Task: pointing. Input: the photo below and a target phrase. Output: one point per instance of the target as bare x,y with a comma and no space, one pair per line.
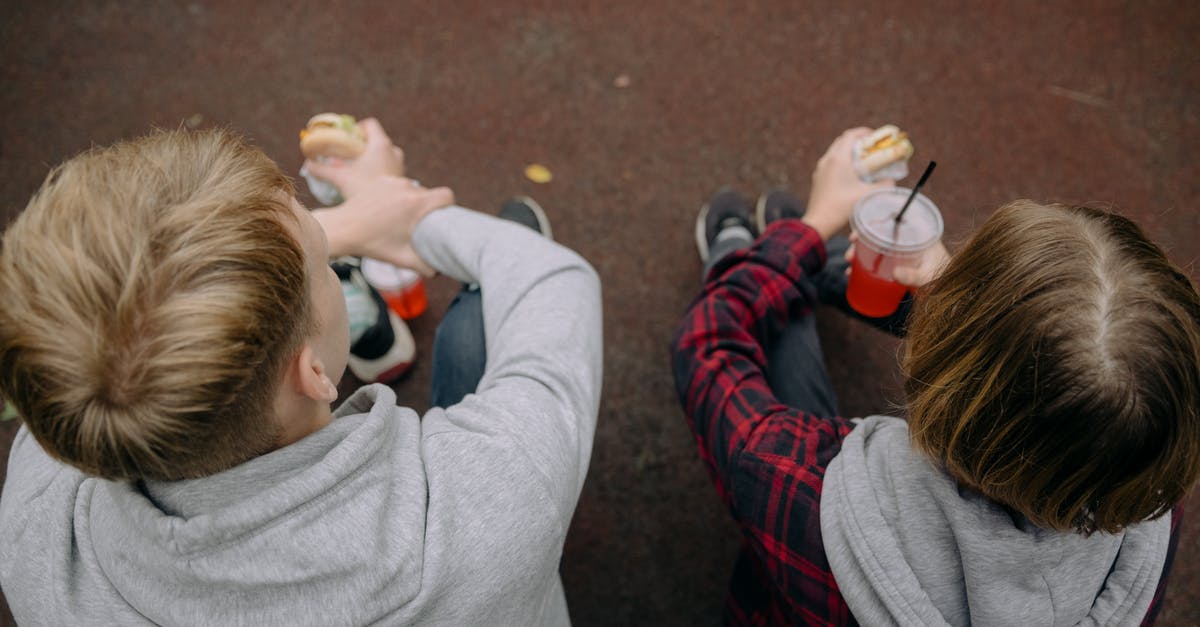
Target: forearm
348,233
379,221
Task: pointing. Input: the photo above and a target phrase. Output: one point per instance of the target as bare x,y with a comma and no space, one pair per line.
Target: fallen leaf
538,173
9,412
622,81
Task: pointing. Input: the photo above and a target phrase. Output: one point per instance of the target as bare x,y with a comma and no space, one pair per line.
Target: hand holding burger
883,153
836,185
381,207
349,154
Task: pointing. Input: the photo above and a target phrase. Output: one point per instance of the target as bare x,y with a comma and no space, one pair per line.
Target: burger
885,146
332,135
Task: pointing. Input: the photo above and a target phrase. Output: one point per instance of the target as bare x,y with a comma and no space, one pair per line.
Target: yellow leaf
538,173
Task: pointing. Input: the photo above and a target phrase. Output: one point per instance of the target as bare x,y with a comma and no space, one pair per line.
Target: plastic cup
324,191
402,288
884,246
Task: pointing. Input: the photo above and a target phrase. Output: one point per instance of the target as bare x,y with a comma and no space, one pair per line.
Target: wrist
824,226
337,231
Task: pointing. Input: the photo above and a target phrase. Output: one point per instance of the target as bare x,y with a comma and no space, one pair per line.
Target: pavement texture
640,110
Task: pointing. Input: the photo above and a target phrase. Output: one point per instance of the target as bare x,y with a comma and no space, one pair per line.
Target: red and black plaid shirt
767,460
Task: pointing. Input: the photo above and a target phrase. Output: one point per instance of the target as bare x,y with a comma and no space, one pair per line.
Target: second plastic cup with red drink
885,244
402,288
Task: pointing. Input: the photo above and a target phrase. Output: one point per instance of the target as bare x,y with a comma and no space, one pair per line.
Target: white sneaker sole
701,234
392,364
760,213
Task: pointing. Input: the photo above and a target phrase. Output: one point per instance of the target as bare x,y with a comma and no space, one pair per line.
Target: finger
375,133
941,253
907,276
405,257
843,145
836,145
857,132
851,134
849,253
436,197
938,262
441,196
419,265
331,170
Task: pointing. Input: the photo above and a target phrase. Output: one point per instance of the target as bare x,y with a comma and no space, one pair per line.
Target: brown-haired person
1053,388
171,336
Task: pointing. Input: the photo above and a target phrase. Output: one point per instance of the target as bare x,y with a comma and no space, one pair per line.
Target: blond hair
153,293
1054,367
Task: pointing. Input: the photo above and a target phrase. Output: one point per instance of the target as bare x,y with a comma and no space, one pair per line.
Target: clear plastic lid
874,220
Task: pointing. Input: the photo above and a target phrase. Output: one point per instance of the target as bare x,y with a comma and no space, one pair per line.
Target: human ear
313,381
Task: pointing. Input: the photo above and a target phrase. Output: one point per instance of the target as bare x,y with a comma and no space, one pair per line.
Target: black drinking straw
916,188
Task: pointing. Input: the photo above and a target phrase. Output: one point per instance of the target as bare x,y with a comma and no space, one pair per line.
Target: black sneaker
725,209
776,204
525,210
386,351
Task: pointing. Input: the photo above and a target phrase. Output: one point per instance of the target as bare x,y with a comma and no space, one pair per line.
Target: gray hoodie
456,518
908,547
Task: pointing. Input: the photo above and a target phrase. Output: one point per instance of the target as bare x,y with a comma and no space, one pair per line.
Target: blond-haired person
1053,419
171,337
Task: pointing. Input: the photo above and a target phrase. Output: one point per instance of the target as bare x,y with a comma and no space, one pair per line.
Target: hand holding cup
930,266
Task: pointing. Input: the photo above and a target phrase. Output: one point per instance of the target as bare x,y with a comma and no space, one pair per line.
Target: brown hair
1054,367
152,295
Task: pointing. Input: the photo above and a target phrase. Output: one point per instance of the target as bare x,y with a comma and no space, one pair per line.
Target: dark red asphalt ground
1075,101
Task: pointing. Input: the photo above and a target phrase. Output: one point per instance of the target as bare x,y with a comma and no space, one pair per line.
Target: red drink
884,245
402,288
409,301
872,295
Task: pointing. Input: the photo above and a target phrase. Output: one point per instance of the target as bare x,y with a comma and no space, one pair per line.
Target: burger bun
332,135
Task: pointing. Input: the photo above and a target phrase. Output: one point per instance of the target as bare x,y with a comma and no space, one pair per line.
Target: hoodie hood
907,546
188,541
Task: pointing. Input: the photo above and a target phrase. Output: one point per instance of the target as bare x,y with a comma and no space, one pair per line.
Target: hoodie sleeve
542,324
